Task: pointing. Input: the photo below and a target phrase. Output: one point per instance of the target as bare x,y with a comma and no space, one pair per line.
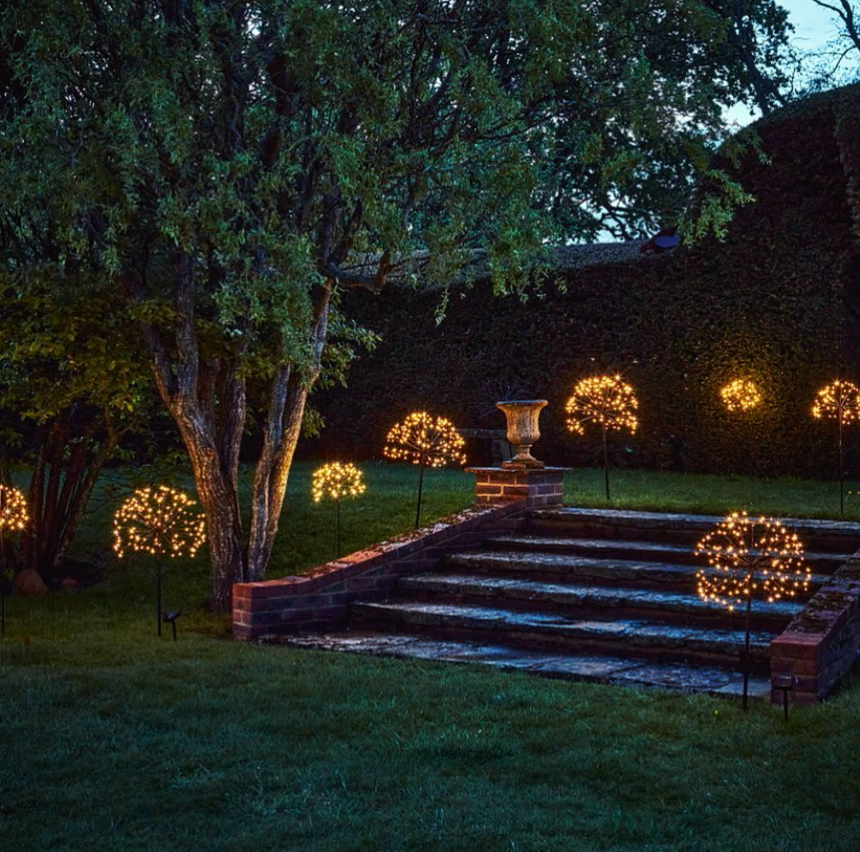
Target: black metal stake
2,588
337,503
746,656
158,592
605,464
841,467
420,489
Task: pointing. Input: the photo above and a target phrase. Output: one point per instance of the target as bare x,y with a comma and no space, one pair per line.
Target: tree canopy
226,166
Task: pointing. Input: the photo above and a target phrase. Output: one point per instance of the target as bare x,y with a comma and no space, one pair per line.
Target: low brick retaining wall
820,644
320,600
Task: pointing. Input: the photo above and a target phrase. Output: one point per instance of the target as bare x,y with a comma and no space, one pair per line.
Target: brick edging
320,599
820,644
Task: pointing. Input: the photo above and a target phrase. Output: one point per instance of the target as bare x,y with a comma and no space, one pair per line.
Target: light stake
160,521
607,401
748,557
427,441
13,516
839,401
336,481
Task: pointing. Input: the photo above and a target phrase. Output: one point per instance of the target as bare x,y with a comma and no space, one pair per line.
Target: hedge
778,302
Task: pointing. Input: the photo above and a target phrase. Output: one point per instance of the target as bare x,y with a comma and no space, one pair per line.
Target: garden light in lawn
161,521
427,441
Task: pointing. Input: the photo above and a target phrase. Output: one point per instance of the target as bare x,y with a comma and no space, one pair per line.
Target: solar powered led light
13,516
170,617
426,441
160,521
785,683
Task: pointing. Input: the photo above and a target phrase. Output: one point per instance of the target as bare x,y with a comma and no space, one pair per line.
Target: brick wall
821,643
320,600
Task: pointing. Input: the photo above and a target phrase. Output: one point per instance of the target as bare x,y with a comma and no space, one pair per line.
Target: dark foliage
778,302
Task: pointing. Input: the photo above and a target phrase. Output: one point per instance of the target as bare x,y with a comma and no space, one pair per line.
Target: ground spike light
13,516
748,557
161,521
607,401
334,481
427,441
839,401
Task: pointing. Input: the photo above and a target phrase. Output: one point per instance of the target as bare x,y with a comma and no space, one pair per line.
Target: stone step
576,667
666,575
608,601
819,535
619,637
656,551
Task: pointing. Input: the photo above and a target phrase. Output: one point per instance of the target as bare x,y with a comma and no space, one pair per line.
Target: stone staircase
586,594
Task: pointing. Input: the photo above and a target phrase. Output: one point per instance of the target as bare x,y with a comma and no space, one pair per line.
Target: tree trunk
71,471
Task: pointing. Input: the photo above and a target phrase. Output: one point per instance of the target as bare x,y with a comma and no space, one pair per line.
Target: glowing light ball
607,402
336,481
160,522
426,441
741,395
839,401
750,558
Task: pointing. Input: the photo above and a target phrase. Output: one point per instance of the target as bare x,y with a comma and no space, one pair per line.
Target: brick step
819,535
599,601
656,551
541,630
555,566
576,667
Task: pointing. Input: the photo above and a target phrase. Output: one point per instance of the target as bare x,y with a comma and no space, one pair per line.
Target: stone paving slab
513,588
621,632
612,670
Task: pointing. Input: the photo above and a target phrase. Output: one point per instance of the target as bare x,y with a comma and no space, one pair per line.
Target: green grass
112,740
683,492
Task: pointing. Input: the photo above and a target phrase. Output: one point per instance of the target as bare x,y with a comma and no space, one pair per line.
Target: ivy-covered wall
777,301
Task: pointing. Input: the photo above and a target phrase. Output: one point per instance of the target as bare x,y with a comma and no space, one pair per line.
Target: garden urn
522,416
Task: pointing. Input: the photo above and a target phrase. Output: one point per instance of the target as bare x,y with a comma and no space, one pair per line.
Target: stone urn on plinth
523,431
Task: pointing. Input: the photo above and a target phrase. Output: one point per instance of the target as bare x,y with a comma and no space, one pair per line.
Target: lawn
112,740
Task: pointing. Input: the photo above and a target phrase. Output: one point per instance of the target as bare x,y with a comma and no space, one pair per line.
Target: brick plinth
541,488
320,600
821,643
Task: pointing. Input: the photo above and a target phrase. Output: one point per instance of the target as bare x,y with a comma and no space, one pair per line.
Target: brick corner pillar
541,487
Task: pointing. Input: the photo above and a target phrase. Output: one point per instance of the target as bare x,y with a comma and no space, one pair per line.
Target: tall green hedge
777,302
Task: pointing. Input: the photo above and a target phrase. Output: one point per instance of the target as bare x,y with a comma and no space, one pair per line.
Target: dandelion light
607,402
741,395
14,515
750,558
839,401
160,522
426,441
336,481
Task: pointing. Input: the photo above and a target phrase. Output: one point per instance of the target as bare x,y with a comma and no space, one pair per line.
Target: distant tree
229,165
839,61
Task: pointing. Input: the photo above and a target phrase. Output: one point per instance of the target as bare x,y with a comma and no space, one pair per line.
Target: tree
72,383
832,66
233,167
